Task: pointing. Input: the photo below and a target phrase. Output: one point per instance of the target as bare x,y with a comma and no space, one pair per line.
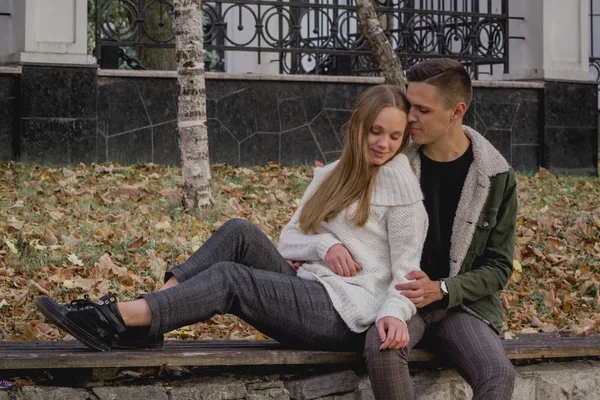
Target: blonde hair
353,178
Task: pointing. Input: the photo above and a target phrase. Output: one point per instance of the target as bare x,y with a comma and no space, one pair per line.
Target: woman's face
385,137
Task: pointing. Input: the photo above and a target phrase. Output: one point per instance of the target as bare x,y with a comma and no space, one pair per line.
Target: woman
358,231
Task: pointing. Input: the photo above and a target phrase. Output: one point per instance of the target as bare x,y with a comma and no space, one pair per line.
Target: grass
67,231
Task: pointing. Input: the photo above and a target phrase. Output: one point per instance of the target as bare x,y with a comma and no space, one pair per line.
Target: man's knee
499,370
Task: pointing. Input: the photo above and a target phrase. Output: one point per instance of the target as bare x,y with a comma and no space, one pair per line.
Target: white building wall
557,38
45,31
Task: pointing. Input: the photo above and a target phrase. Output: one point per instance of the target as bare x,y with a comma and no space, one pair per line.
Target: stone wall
9,94
252,122
64,115
578,380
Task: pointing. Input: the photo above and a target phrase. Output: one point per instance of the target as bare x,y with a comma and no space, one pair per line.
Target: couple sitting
357,267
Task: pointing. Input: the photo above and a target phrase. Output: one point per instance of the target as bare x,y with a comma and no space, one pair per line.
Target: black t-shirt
442,184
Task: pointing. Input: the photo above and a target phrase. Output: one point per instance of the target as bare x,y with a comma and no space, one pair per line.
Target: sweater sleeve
407,229
294,244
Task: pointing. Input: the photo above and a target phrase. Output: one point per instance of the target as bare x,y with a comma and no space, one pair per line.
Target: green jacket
483,233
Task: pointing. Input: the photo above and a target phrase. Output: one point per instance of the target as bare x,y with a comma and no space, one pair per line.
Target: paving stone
210,390
320,386
346,396
130,392
525,386
268,394
365,394
49,393
435,391
461,390
574,381
265,385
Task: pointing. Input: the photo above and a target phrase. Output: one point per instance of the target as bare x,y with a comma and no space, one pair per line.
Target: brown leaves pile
556,283
65,232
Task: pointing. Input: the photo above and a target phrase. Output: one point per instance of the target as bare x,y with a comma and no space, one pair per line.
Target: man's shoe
92,324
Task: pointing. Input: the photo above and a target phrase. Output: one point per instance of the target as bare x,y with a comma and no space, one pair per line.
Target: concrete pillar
557,40
44,31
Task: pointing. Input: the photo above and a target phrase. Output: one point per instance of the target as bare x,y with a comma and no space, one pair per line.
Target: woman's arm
407,229
294,244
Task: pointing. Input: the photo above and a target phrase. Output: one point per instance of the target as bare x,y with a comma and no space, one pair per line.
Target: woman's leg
291,310
237,241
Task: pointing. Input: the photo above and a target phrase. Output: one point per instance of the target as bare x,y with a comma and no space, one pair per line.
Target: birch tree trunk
191,115
379,43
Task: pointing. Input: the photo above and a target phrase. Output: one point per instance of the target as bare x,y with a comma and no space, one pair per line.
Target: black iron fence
312,37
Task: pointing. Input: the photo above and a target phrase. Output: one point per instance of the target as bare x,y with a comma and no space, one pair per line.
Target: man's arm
483,280
493,272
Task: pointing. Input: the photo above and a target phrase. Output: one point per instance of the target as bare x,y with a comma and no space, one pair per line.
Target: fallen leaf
50,238
75,260
235,205
15,224
11,246
163,225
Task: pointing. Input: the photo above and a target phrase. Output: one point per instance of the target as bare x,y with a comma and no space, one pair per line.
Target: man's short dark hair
449,76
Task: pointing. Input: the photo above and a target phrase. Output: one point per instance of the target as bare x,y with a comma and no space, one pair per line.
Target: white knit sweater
387,247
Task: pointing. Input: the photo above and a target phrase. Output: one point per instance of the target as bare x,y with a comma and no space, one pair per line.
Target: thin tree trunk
191,116
379,43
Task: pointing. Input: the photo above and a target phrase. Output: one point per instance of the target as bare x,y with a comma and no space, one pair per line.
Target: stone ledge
12,70
300,78
543,381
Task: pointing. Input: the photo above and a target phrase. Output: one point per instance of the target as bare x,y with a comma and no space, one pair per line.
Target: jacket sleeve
296,245
407,228
495,265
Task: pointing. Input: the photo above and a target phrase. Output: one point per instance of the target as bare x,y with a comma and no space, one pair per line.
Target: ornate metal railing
316,36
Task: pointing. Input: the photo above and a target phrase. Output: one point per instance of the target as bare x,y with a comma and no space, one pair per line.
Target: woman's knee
230,271
240,225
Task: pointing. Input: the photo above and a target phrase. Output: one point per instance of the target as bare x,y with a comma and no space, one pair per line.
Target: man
471,198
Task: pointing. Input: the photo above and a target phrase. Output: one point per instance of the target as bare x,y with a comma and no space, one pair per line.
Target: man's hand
421,291
393,333
294,264
340,261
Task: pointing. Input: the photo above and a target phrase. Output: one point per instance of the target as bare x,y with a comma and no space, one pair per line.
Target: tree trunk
191,115
156,58
379,44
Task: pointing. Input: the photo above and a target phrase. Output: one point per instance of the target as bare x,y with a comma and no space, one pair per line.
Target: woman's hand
294,264
393,333
340,261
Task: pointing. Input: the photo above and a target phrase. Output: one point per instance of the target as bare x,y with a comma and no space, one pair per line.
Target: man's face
429,120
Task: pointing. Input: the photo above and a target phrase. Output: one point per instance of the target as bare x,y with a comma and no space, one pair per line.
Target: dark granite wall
570,139
58,114
249,122
9,115
70,115
511,119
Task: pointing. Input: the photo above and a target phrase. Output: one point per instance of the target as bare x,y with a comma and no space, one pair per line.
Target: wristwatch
444,287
